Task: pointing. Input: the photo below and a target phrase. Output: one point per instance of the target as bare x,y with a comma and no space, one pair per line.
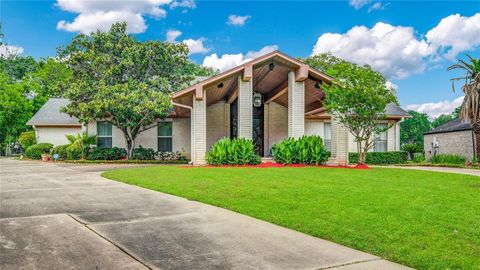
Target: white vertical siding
296,106
245,108
199,117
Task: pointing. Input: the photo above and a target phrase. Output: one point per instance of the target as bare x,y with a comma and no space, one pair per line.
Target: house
266,99
454,137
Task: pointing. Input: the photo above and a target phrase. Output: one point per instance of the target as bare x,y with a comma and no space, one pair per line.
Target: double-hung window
104,134
165,136
327,136
380,140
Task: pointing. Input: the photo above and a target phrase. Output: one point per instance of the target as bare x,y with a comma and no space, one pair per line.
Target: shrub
448,159
304,150
37,150
170,155
27,139
141,153
411,148
100,153
394,157
418,158
61,150
237,151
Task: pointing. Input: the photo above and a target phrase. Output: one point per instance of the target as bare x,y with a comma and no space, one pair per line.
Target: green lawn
421,219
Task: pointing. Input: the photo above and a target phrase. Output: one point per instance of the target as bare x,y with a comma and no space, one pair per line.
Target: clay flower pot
45,157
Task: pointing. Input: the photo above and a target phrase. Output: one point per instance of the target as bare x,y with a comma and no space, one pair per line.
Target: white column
339,142
245,108
296,106
199,128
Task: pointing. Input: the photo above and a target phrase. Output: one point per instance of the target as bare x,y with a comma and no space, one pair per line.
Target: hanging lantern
257,100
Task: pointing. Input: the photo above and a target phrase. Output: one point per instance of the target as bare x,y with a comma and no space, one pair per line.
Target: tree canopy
125,81
412,129
357,97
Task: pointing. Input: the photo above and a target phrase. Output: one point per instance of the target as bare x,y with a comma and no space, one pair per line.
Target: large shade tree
470,108
358,98
123,80
412,129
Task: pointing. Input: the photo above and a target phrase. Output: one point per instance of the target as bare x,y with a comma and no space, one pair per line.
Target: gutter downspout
192,129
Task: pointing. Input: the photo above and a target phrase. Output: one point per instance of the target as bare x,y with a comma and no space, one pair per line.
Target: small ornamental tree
125,81
357,98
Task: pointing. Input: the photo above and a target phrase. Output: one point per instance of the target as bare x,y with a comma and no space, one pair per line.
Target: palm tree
470,108
81,142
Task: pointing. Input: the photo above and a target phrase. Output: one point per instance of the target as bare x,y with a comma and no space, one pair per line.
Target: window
165,136
104,134
380,140
327,136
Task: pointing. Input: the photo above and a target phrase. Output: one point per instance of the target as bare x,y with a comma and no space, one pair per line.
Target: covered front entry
266,100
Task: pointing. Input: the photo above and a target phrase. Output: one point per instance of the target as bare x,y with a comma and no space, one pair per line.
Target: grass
425,220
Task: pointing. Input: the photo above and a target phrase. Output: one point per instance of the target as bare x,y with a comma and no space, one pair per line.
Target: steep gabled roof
393,109
452,126
50,115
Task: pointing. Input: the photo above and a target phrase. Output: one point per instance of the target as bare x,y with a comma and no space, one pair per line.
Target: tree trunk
361,153
476,132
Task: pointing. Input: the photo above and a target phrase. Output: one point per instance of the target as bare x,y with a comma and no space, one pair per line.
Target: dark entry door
234,119
257,126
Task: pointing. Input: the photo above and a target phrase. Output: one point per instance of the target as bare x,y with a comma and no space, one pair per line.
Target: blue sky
410,42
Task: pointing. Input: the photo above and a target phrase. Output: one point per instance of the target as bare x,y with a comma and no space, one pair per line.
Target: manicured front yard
422,219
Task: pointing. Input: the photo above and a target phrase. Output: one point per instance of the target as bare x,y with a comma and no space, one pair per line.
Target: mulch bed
279,165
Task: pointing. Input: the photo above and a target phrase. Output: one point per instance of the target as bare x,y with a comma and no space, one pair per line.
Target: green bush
237,151
393,157
100,153
447,159
141,153
304,150
418,158
27,139
37,150
61,150
411,148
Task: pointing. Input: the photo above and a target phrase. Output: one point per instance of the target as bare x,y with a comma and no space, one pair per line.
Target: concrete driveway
68,217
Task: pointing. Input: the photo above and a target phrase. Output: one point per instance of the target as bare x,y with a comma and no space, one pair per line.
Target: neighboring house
454,137
267,99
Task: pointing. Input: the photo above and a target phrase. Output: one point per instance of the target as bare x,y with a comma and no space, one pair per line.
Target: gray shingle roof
50,115
393,109
454,125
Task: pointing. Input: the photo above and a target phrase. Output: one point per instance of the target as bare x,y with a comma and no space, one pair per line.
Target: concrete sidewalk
474,172
67,216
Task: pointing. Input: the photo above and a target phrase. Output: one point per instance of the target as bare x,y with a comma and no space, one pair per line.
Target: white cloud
195,46
228,61
238,20
183,4
99,15
455,34
436,109
392,50
172,35
9,50
377,6
358,4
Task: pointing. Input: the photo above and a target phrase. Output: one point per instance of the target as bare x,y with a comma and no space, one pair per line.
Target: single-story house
266,99
454,137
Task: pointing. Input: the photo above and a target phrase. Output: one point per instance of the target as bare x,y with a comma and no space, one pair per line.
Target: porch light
317,85
220,85
257,100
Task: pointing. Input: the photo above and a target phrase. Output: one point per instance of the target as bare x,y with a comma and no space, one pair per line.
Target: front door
257,126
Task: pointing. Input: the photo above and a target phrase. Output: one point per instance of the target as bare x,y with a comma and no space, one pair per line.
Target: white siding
199,124
245,108
296,106
216,123
55,135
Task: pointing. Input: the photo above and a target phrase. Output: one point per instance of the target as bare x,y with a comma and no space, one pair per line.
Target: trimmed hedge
64,153
448,159
100,153
141,153
304,150
394,157
237,151
37,150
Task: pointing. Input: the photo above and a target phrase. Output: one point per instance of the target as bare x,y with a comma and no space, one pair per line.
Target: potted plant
45,157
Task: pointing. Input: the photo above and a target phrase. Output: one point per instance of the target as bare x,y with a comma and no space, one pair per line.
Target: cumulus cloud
9,50
455,34
436,109
392,50
195,46
228,61
238,20
100,15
